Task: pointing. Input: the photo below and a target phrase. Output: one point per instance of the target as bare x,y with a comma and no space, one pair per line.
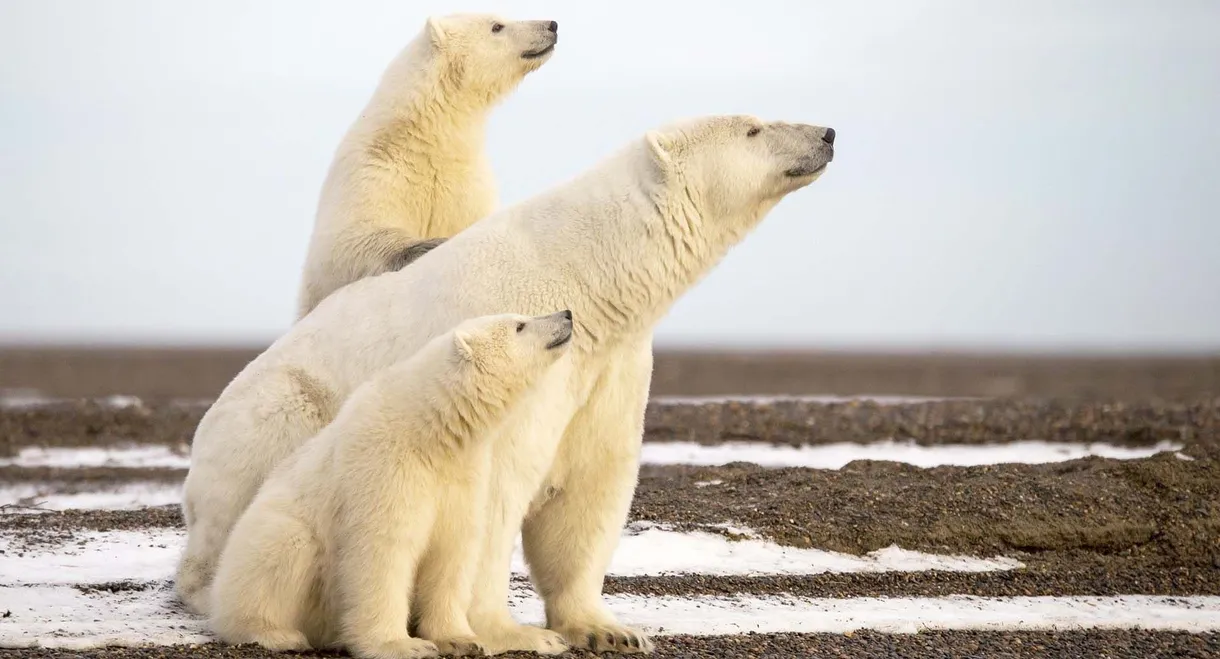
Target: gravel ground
1100,644
1083,527
1090,526
1160,509
1197,421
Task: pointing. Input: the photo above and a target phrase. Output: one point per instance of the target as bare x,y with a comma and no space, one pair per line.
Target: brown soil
938,422
1106,644
70,480
93,423
1161,507
1069,576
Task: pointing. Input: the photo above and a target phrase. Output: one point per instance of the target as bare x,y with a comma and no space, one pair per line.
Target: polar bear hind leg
261,594
293,406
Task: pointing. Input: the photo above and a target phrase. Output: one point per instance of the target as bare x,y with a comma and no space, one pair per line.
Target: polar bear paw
460,646
405,648
522,638
607,638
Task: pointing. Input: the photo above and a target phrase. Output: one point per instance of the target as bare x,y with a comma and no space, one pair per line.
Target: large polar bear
375,521
412,169
617,245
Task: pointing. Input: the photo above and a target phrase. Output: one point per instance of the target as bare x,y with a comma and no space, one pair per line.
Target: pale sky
1030,173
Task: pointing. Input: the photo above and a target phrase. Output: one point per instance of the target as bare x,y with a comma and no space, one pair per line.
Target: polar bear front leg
444,587
570,538
375,568
489,616
524,452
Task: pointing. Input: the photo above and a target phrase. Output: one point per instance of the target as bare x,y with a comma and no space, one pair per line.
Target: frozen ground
66,617
701,577
824,456
644,550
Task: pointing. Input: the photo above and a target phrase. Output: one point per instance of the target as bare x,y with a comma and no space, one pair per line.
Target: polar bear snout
814,150
556,328
542,37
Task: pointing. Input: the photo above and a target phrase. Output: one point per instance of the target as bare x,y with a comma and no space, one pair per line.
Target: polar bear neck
459,418
653,243
426,89
453,402
391,167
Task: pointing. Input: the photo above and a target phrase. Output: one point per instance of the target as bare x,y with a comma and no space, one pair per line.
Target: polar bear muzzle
812,148
545,35
558,326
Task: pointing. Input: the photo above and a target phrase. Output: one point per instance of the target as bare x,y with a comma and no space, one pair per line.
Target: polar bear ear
461,344
660,145
436,31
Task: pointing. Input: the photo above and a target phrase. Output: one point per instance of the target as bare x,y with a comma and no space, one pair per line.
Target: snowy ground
826,456
49,598
46,592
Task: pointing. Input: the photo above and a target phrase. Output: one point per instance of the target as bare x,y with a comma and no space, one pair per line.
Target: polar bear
412,169
617,245
378,516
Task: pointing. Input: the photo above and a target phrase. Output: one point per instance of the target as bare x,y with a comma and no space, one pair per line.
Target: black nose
553,27
567,314
829,137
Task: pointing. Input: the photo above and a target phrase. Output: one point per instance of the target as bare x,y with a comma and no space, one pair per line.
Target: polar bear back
496,266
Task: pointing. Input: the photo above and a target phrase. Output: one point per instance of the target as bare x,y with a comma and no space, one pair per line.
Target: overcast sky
1030,173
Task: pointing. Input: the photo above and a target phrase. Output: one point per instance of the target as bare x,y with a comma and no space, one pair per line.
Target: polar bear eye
753,131
520,326
496,27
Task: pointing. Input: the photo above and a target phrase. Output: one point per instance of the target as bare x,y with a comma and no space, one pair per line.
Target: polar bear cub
373,525
412,169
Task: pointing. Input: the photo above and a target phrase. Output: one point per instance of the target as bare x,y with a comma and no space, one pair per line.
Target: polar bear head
486,55
735,168
510,348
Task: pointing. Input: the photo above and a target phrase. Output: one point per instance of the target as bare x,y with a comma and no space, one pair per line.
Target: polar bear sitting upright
376,521
412,169
617,245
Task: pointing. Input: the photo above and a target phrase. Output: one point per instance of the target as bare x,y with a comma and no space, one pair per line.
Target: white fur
413,165
376,521
617,246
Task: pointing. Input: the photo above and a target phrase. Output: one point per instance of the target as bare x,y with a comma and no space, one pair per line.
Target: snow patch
651,550
21,397
35,498
64,617
835,456
94,557
643,550
24,398
133,456
820,456
824,399
736,615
